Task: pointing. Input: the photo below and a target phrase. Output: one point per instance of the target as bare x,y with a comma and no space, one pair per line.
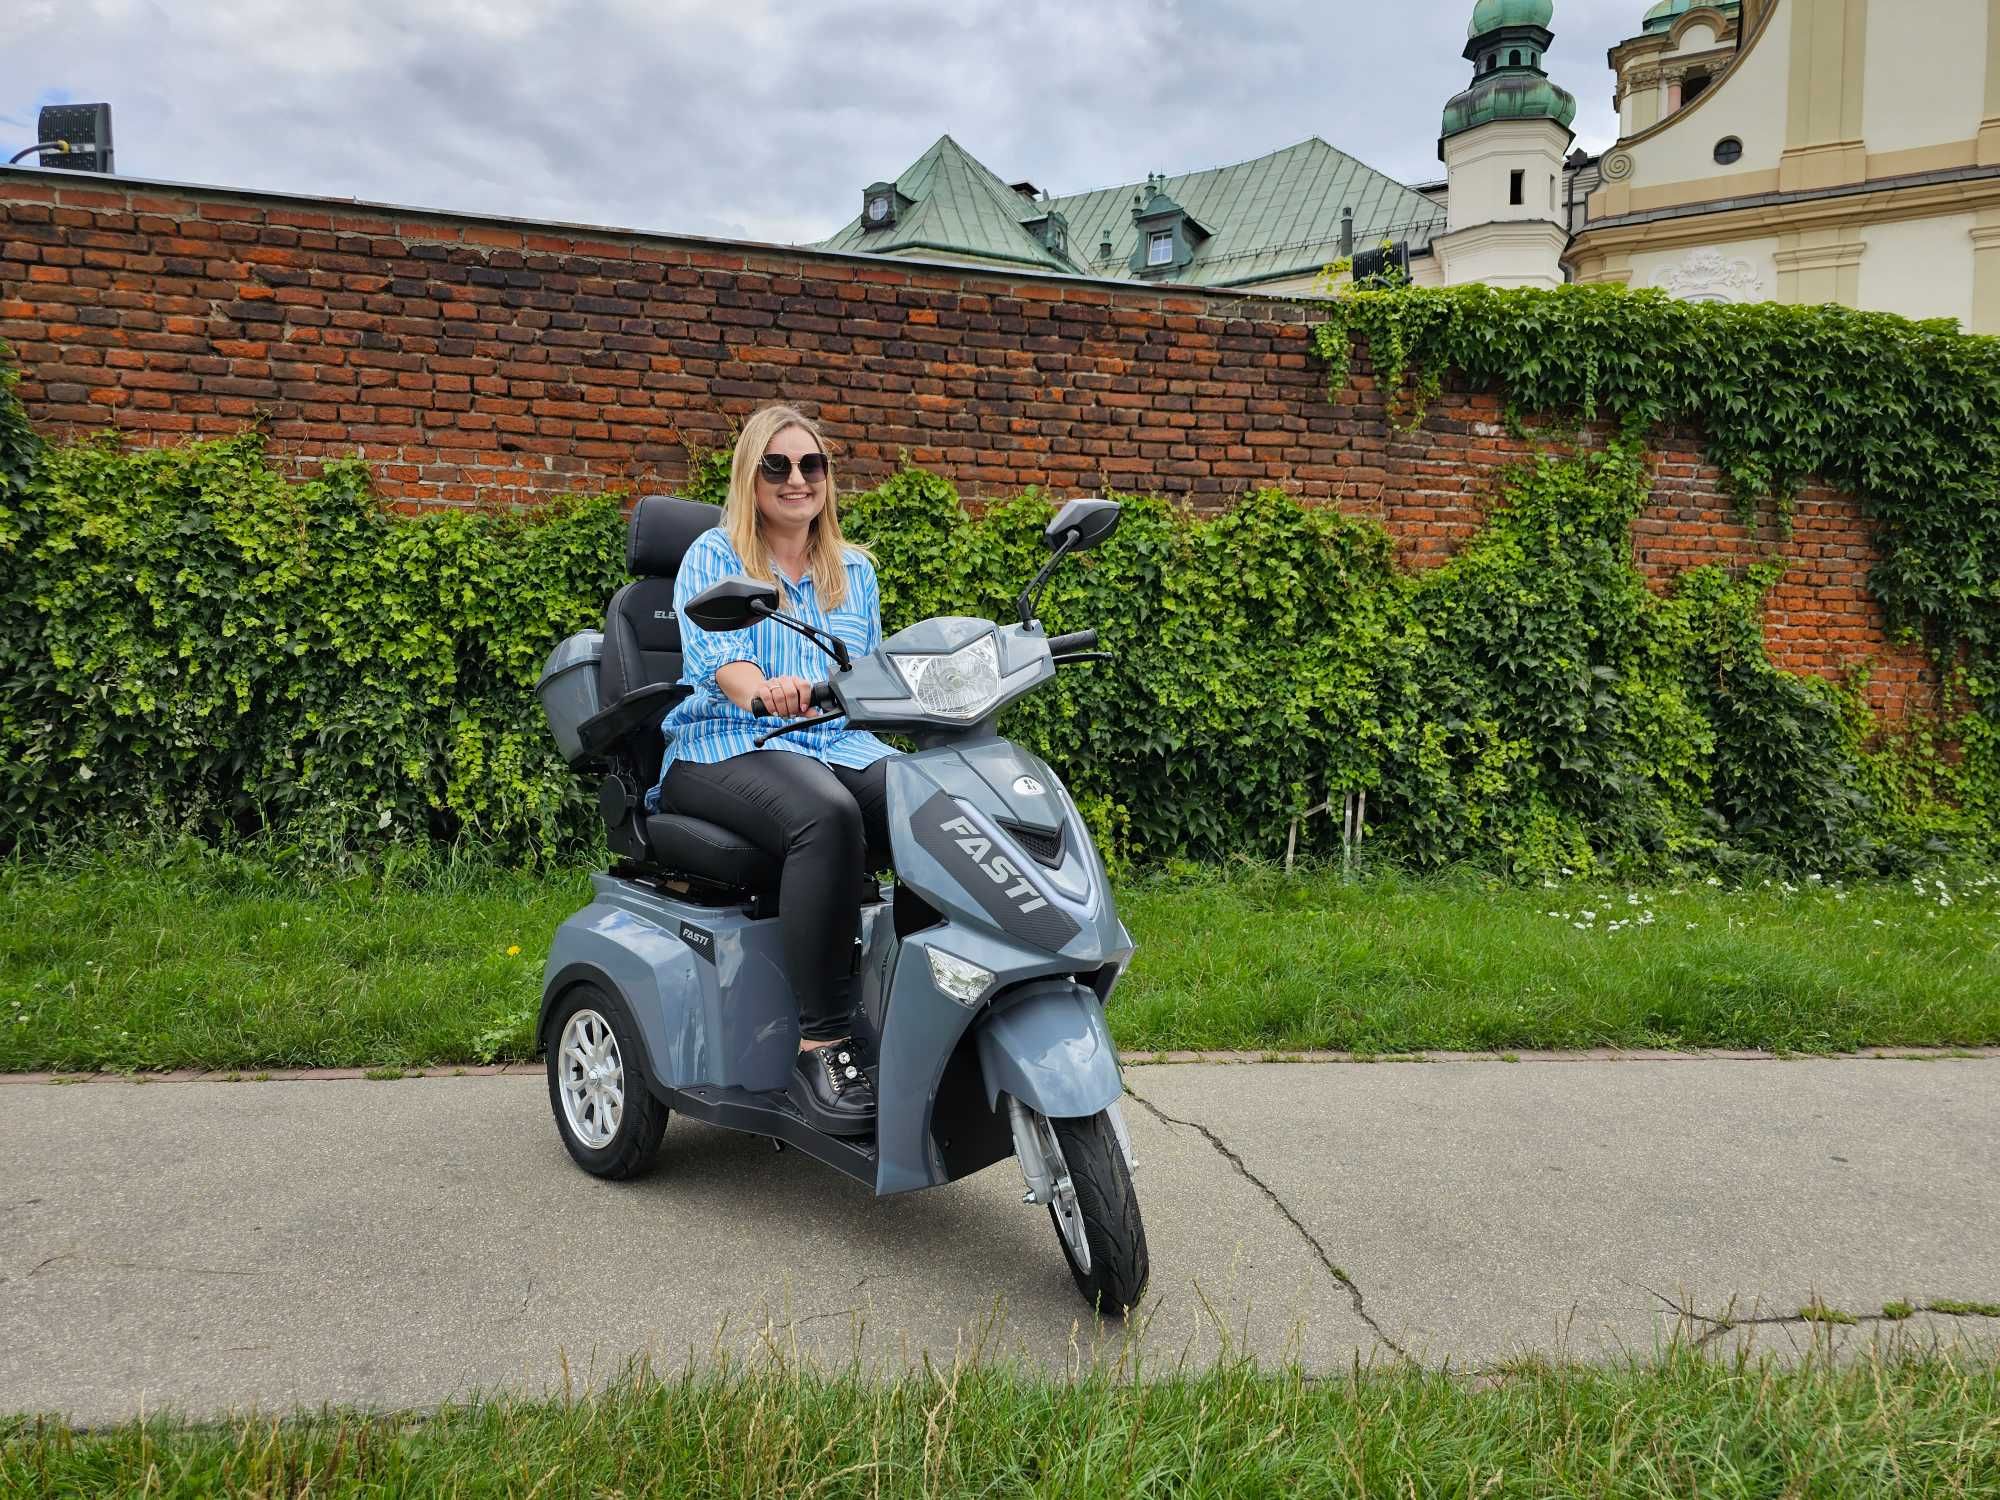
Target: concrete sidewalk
208,1245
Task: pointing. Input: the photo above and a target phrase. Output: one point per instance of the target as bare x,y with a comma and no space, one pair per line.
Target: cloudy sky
748,118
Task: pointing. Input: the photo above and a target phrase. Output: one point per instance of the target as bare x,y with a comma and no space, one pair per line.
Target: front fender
1050,1049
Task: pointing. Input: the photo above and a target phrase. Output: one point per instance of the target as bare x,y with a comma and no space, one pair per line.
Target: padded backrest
642,639
661,530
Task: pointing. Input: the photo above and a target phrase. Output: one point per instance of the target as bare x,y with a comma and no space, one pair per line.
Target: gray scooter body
995,867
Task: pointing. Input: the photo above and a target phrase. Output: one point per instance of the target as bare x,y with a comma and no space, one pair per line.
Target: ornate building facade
1807,151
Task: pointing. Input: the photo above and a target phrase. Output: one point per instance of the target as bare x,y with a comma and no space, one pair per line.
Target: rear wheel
1096,1212
608,1119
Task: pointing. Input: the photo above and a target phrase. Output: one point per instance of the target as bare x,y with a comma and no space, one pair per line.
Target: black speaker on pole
87,128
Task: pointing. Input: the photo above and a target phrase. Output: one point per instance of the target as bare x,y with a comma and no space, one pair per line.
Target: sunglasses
777,467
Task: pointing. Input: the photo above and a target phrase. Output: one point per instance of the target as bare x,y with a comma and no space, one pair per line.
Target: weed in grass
1956,1308
1896,1312
386,1075
1819,1312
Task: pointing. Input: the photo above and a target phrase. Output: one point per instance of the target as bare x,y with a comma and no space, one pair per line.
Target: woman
814,800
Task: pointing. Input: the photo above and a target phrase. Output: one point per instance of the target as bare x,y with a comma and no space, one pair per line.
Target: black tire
1119,1264
635,1143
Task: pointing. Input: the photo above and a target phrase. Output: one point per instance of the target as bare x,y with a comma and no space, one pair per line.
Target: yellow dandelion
515,951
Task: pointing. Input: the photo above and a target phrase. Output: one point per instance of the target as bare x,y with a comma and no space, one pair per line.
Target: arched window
1514,58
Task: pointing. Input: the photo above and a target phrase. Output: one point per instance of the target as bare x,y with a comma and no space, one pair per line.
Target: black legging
828,826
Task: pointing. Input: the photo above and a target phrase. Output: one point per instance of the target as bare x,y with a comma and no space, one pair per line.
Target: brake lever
772,734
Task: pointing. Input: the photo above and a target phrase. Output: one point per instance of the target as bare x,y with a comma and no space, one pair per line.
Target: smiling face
794,502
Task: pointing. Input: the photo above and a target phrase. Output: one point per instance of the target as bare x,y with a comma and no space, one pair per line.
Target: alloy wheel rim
1067,1211
591,1079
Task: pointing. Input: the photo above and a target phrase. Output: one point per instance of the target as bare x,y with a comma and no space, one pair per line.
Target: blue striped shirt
706,727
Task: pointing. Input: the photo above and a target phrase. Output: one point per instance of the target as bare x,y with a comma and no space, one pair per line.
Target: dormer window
1051,231
879,205
1169,237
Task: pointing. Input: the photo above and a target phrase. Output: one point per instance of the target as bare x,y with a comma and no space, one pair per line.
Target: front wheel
608,1118
1096,1212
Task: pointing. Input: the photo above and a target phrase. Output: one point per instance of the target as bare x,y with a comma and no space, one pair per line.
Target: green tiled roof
961,208
1271,217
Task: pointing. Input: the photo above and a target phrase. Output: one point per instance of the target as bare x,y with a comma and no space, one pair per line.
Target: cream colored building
1807,151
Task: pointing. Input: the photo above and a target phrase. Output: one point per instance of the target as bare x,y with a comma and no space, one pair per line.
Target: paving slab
208,1246
1488,1211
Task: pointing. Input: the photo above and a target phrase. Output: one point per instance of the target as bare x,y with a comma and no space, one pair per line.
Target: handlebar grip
1076,640
823,698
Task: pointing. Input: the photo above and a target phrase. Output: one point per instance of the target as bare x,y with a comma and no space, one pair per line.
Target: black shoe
832,1091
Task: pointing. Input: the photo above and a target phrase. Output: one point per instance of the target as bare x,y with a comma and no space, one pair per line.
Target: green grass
1683,1426
215,962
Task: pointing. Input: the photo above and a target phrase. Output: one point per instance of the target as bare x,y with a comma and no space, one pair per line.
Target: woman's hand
787,697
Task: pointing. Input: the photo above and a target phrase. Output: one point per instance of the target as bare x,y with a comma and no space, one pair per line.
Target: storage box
568,689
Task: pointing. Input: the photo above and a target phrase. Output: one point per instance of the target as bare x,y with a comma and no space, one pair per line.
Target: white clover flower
1840,895
1590,916
1579,927
1691,926
1631,898
1713,880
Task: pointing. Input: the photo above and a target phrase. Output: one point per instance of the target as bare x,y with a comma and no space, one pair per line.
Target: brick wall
485,362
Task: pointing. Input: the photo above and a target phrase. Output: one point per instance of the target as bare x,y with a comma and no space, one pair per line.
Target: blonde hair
826,548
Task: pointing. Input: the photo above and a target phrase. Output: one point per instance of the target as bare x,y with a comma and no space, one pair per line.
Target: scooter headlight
961,684
964,982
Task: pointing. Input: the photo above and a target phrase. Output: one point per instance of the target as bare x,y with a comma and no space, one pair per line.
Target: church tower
1503,143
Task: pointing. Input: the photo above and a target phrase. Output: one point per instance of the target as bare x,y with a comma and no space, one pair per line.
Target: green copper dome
1662,16
1491,15
1509,95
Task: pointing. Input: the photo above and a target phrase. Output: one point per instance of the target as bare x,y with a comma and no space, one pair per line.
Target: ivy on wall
190,639
1904,415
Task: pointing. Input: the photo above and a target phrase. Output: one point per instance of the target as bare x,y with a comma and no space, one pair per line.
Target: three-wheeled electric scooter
981,976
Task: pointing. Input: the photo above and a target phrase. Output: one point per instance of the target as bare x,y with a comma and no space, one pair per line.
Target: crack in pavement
1820,1316
139,1265
1243,1171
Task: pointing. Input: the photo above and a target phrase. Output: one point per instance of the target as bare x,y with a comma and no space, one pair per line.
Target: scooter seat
693,847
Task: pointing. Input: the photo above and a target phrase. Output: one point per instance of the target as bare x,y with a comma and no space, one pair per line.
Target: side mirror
1091,520
732,604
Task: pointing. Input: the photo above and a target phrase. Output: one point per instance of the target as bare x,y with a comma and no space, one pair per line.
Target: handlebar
1076,640
823,698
